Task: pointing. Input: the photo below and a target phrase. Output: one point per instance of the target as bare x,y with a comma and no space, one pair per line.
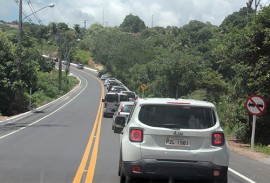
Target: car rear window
177,116
126,108
111,98
124,98
130,94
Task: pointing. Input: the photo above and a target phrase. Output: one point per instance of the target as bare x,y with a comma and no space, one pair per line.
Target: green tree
132,24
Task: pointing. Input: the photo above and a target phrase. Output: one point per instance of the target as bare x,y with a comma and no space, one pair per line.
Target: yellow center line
92,164
96,129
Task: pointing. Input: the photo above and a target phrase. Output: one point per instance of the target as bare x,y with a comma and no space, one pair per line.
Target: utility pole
60,52
152,21
19,66
85,24
103,17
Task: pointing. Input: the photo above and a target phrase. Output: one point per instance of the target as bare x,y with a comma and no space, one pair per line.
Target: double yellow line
94,138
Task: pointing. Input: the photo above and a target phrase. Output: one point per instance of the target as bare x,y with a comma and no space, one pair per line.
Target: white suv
175,139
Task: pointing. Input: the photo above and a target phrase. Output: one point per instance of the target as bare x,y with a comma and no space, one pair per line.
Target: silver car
173,139
111,103
123,110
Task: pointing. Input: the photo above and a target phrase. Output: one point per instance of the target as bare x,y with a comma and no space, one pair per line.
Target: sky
112,12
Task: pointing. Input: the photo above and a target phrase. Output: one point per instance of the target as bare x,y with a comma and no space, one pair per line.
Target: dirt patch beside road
3,118
245,149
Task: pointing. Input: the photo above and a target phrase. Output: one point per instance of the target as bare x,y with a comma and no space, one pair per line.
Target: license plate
176,142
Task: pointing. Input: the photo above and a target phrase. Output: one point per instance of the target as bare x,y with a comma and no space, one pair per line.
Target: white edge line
2,137
242,176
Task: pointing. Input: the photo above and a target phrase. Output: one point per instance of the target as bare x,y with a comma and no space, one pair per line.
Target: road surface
70,141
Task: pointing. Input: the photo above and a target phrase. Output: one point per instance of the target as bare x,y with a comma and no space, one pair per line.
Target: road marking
92,164
4,136
242,176
95,135
86,154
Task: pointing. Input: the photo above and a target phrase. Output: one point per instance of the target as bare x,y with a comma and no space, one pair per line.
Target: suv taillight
136,135
218,139
120,109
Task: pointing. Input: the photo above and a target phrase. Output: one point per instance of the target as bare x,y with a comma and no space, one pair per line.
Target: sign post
255,105
253,131
143,88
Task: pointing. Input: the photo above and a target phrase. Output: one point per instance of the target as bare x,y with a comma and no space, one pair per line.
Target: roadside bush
47,87
240,130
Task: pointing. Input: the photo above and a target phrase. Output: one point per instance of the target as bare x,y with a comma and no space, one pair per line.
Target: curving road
70,141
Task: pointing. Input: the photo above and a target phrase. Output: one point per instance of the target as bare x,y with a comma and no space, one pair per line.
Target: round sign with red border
255,105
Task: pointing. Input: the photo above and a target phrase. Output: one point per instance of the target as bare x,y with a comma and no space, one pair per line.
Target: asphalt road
70,141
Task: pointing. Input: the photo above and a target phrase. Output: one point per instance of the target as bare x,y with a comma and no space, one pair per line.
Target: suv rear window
124,98
126,108
177,116
111,98
130,94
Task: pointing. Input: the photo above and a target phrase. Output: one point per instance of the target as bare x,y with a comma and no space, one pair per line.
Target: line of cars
164,138
117,94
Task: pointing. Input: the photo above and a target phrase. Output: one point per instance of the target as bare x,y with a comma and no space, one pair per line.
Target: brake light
216,173
218,139
136,135
136,169
120,109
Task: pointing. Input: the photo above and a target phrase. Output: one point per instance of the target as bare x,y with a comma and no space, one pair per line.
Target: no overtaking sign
255,105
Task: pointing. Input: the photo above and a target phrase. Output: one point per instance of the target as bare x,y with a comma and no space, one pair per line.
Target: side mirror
119,124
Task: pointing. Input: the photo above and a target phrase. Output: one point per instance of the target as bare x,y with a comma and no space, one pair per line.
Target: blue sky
112,12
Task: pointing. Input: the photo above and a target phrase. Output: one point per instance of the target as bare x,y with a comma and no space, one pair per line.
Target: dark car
80,66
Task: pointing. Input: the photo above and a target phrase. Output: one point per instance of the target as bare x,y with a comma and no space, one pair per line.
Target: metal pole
30,99
60,68
20,40
253,132
19,52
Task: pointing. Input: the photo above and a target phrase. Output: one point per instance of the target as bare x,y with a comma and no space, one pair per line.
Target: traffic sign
255,105
143,87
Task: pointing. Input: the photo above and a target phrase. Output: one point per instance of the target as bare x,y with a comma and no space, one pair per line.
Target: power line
23,11
34,12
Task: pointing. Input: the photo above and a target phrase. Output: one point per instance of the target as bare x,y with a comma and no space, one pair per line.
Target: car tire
122,177
225,181
120,170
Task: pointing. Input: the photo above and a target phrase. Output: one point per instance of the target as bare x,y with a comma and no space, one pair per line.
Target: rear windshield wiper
169,125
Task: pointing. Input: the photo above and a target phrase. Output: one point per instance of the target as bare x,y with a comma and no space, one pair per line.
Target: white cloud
164,12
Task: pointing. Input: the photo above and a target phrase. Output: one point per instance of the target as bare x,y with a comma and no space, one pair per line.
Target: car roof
113,93
127,103
128,92
117,87
172,101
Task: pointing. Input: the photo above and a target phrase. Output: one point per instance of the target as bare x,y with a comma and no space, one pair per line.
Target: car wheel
105,115
225,181
122,177
120,170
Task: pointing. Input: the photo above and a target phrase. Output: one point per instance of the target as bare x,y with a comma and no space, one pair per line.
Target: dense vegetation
222,64
38,73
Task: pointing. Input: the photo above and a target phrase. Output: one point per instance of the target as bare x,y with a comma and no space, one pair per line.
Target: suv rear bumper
182,170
